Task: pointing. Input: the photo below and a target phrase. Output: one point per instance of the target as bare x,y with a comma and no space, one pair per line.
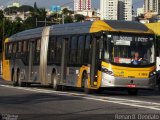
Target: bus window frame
36,52
87,61
71,61
59,50
130,34
81,49
49,57
20,46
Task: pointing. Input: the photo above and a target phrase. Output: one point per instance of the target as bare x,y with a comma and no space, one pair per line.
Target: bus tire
15,83
64,88
20,83
99,90
132,91
86,89
55,85
83,79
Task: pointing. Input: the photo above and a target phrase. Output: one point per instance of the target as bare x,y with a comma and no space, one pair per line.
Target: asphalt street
40,103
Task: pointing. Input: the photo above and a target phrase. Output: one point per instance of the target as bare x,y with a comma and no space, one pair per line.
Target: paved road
39,103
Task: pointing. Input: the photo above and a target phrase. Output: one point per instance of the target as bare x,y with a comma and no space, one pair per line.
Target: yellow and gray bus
88,55
155,27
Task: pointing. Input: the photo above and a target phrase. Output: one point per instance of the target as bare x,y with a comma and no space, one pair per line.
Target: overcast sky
48,3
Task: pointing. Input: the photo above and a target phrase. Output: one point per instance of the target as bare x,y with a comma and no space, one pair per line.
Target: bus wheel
21,84
132,91
99,90
64,88
15,83
86,89
84,78
54,82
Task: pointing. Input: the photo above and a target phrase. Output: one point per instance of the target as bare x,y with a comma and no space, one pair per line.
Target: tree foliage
68,19
25,8
12,27
79,17
11,10
1,15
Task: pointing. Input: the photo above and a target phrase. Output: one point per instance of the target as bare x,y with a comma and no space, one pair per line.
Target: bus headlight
107,71
151,74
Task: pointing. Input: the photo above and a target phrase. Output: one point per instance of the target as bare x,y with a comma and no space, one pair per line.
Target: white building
152,6
140,11
15,4
116,9
82,5
22,15
88,13
1,7
125,10
109,9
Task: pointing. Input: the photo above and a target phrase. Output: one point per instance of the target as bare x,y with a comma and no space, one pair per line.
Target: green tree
29,23
10,10
68,19
35,5
17,25
79,17
65,11
25,8
1,15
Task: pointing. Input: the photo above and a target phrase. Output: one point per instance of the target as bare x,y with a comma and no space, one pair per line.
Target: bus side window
10,48
6,50
73,50
37,51
106,49
24,46
52,50
14,47
58,50
25,53
87,49
80,52
19,47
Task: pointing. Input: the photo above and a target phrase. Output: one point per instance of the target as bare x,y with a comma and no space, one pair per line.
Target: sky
49,3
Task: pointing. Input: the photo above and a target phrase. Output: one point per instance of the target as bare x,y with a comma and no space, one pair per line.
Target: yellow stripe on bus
128,72
6,66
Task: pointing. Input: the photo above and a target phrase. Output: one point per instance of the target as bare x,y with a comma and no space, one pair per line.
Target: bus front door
94,61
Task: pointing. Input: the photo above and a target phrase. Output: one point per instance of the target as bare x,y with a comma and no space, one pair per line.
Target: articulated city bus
88,55
155,28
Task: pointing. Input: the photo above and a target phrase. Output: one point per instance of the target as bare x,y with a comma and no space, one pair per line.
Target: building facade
80,5
15,4
116,9
109,9
140,11
152,6
125,10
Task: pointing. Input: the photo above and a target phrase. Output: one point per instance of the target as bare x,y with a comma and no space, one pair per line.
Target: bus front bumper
109,81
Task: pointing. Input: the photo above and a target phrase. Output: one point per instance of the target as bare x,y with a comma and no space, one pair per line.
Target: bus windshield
130,49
